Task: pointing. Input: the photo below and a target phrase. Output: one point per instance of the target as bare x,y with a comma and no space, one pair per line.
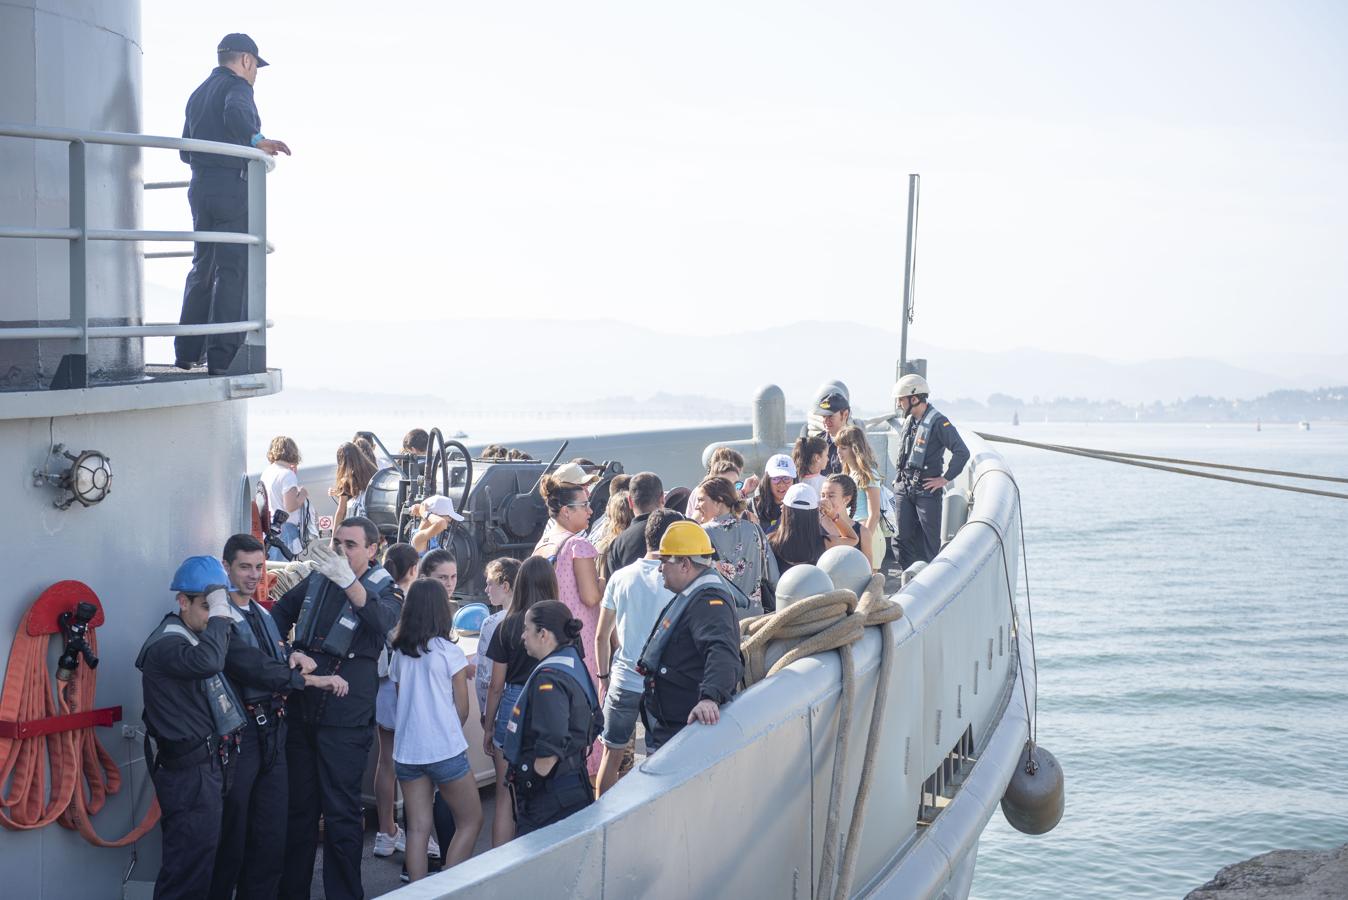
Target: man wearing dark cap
221,109
834,413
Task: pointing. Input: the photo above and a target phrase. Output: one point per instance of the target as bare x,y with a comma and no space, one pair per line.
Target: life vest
710,582
244,632
337,642
917,454
226,710
566,663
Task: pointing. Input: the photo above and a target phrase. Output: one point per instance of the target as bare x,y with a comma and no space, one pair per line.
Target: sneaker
400,841
404,877
385,844
433,848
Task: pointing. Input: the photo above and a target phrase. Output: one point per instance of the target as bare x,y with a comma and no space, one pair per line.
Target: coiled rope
1137,459
832,621
79,763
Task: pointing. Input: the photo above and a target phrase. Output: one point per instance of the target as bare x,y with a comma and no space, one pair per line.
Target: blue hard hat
469,619
196,573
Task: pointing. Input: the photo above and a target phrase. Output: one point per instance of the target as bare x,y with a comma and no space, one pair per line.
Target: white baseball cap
572,473
440,505
801,496
780,466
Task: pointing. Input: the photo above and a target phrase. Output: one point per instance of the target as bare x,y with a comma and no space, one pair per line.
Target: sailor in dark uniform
835,413
262,671
553,723
922,470
691,661
194,718
221,109
341,614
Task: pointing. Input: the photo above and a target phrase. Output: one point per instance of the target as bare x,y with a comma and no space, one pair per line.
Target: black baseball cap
241,43
832,402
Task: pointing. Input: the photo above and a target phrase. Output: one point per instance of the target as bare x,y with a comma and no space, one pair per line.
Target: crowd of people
263,718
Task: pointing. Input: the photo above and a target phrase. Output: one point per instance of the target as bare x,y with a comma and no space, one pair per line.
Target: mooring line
1135,459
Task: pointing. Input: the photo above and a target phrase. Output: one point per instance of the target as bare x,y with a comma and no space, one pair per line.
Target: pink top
575,548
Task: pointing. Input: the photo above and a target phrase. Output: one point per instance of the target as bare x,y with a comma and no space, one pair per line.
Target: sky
1132,181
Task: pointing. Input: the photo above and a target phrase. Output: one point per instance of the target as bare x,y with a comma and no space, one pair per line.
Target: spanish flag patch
545,686
716,603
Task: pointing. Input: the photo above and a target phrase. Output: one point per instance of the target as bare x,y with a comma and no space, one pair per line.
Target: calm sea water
1193,660
1193,646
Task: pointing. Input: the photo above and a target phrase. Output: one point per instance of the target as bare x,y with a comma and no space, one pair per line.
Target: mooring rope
829,621
1134,459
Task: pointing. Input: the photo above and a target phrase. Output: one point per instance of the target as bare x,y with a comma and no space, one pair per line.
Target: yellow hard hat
685,539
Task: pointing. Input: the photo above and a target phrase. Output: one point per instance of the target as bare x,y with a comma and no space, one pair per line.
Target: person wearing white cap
436,512
801,537
778,476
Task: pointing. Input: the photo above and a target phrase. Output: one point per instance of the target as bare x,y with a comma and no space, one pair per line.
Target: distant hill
521,364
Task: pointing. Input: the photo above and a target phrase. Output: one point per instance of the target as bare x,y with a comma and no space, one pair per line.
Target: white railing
76,327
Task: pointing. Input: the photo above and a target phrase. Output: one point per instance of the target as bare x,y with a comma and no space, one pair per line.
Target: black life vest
317,600
226,710
244,632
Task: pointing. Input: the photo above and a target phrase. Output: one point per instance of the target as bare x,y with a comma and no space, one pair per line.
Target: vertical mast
910,259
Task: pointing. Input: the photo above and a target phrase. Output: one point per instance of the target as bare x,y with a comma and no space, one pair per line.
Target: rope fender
832,621
83,773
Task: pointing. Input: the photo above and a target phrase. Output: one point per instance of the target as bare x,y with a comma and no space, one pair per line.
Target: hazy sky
1132,180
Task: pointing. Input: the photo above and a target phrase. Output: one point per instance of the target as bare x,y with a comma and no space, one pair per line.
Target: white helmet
909,385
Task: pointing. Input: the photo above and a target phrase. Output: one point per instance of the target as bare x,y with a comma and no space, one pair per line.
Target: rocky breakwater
1281,875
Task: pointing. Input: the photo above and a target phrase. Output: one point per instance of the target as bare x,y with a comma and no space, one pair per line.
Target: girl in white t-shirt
429,748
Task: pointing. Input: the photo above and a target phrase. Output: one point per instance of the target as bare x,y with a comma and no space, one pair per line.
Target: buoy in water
1034,799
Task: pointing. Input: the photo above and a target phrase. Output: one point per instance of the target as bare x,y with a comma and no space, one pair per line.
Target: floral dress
743,560
574,547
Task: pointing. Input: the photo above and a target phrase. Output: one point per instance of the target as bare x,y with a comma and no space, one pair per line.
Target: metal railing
76,328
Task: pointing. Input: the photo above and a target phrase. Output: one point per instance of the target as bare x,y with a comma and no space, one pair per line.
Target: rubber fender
1034,798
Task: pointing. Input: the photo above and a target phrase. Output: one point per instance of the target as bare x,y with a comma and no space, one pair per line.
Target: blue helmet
197,573
469,619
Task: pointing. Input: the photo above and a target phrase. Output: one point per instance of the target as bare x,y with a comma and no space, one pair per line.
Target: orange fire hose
83,773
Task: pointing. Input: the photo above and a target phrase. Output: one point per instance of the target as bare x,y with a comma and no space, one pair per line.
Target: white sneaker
433,847
400,840
385,844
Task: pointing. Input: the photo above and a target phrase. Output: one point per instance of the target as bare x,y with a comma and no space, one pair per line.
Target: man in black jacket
925,436
193,716
220,109
341,614
646,493
263,671
691,661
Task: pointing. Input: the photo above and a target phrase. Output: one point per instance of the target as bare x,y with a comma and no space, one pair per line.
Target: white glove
217,601
334,567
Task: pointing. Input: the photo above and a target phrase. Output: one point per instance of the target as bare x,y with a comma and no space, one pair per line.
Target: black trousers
919,527
216,285
253,828
190,801
326,764
658,731
559,797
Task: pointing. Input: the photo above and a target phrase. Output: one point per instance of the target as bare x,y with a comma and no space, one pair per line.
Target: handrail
76,328
126,139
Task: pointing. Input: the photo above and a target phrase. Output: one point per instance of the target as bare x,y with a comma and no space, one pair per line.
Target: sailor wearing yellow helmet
691,661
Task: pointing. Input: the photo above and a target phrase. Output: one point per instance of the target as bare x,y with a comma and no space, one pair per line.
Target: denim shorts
621,707
508,698
451,769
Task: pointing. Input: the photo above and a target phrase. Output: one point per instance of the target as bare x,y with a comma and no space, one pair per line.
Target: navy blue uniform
187,772
221,109
556,723
701,661
919,508
250,855
329,738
